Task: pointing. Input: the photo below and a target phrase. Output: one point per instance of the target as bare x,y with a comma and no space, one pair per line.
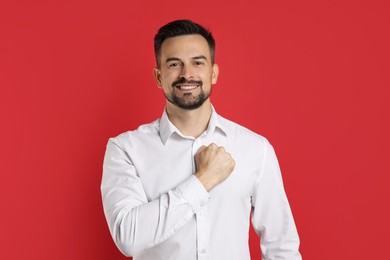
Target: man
184,186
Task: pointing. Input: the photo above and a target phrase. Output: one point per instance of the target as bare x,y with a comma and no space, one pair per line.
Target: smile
188,87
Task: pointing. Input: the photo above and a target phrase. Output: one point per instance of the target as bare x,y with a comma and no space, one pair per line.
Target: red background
311,76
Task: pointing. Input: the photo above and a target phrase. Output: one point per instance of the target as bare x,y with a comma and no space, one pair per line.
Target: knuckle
201,149
232,162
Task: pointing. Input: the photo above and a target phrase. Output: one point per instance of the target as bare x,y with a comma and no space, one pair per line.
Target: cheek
209,79
169,77
166,83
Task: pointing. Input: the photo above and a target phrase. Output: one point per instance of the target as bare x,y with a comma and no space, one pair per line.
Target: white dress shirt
156,209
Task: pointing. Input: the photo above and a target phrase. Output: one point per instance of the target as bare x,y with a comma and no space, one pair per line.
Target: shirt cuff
194,193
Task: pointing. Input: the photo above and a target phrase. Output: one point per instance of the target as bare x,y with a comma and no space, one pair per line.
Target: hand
213,165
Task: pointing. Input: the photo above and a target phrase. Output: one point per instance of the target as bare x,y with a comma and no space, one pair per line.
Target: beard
188,101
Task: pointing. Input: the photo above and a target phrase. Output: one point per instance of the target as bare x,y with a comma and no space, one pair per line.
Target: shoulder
241,133
143,131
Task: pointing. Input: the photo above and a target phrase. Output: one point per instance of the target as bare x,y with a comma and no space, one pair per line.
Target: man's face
186,73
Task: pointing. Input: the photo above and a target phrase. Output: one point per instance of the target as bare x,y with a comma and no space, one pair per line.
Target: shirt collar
167,128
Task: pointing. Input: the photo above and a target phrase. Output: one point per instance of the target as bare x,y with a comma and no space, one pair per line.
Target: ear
215,73
157,76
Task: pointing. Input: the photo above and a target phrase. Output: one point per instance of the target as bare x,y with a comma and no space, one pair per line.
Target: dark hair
181,27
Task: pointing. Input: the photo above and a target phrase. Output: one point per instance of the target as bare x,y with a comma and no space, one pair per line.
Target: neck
190,122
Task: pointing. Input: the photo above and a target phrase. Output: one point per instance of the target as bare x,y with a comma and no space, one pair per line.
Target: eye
199,63
174,65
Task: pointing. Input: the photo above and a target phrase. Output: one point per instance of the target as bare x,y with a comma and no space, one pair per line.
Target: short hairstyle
181,27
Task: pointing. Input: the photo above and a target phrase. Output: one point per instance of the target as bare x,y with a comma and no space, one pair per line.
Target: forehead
185,46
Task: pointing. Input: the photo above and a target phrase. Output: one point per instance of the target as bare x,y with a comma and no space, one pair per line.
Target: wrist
203,178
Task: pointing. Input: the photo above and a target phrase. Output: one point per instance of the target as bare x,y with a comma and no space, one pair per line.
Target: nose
186,73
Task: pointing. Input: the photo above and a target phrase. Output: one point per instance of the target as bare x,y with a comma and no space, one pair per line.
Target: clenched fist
213,165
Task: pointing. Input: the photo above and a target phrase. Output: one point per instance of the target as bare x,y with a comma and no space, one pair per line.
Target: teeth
187,87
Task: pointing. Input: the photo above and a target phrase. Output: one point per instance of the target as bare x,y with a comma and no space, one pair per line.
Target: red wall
311,76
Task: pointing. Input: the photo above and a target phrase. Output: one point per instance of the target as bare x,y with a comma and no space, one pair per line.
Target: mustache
184,81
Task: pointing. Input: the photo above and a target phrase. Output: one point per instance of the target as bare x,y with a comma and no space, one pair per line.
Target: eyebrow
172,59
193,58
199,57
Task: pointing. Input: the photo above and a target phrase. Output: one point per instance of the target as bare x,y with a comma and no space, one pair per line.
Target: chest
164,167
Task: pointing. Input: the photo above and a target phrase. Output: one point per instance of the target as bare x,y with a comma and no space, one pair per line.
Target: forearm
135,228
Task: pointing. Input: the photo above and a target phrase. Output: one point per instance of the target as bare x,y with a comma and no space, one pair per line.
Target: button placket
202,232
195,147
202,223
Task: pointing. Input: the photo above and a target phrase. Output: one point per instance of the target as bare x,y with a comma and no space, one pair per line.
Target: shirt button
203,251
